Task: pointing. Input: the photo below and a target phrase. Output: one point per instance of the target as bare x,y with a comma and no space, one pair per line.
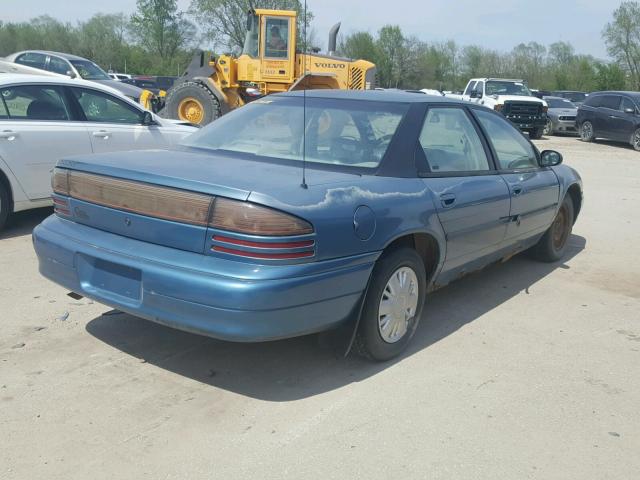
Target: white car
43,119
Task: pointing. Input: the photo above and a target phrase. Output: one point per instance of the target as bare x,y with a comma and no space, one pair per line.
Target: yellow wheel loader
269,63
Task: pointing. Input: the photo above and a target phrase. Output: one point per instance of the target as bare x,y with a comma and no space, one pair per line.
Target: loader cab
270,44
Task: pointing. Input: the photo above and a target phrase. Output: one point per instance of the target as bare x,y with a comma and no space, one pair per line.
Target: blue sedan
300,214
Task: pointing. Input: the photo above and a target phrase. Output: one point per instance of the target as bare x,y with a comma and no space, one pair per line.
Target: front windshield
558,103
89,70
494,87
251,39
338,132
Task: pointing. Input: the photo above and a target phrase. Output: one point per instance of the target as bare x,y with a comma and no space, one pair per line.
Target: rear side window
58,65
513,150
32,59
627,104
451,143
35,102
593,101
104,108
610,101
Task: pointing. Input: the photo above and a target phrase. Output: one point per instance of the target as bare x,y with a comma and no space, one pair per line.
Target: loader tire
192,102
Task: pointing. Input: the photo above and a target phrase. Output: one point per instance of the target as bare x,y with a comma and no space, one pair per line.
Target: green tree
391,45
359,45
622,37
161,28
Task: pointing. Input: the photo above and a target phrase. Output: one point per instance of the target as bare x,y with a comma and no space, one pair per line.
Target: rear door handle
448,200
517,190
8,134
102,134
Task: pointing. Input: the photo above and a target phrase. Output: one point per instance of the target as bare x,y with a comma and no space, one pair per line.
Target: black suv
610,115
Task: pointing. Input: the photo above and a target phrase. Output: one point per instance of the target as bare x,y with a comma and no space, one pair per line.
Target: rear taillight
252,219
144,199
61,206
60,181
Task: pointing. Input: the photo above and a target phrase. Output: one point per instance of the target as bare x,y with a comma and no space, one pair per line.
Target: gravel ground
524,370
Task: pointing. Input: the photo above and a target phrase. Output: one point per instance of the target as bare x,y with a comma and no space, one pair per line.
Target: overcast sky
496,24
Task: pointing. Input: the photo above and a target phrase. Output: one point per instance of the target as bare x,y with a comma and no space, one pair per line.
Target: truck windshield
499,87
251,39
336,132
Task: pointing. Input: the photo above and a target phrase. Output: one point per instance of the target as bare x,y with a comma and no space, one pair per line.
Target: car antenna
304,102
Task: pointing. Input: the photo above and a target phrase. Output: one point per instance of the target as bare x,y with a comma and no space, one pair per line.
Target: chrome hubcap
587,131
548,127
636,140
398,304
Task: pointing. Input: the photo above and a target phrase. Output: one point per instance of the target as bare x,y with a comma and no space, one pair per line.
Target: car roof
551,97
393,96
618,92
67,56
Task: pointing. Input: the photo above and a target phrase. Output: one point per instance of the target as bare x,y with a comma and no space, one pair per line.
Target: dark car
165,82
143,83
611,115
575,97
307,211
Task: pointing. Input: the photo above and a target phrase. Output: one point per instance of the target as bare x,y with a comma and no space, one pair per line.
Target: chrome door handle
8,134
102,134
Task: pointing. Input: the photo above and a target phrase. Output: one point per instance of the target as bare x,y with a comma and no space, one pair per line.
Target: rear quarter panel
400,206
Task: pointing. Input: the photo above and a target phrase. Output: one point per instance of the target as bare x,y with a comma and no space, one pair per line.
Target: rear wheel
192,102
393,305
635,140
5,205
586,132
553,245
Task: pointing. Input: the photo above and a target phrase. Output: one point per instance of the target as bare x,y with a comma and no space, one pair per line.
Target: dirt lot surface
525,370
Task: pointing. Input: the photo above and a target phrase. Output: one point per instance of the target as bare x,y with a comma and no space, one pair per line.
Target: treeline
160,39
157,39
406,62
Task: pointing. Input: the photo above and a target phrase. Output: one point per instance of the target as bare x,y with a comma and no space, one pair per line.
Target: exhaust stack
333,35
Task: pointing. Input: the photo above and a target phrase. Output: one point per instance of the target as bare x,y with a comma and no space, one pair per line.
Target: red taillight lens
61,206
248,218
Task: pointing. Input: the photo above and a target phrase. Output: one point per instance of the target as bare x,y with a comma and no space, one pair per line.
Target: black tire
198,91
587,133
548,128
5,204
536,133
369,342
553,245
635,140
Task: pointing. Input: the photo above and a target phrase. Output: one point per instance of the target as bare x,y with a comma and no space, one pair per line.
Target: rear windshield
329,131
557,103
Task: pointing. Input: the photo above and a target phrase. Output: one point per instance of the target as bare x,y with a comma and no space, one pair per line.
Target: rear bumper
189,291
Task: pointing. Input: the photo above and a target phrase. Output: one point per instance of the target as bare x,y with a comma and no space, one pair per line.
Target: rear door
471,199
623,122
534,190
114,125
608,114
39,130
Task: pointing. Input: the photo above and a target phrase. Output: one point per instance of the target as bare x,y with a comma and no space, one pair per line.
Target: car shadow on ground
299,368
23,223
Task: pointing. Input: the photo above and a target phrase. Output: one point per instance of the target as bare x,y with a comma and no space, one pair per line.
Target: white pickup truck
510,97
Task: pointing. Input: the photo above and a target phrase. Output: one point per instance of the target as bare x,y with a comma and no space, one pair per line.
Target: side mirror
476,94
550,158
147,119
71,74
630,110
